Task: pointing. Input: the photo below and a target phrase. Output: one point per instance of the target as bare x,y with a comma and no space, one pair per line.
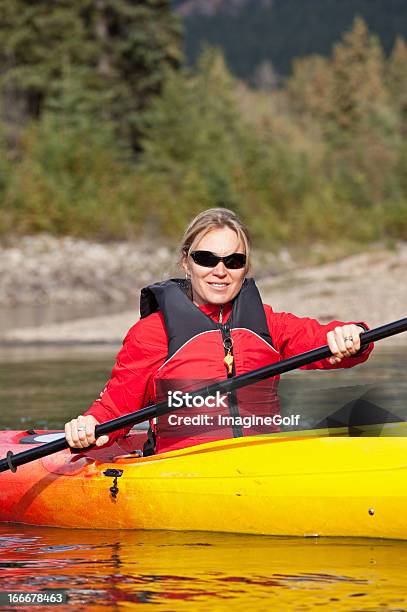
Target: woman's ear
186,268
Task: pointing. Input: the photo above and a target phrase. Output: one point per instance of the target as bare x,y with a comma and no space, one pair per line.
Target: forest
107,133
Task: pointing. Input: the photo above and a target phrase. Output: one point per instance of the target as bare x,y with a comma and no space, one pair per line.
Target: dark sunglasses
207,259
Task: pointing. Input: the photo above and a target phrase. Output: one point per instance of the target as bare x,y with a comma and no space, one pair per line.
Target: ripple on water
173,571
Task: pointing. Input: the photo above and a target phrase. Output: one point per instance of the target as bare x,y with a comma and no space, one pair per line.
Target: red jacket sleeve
292,335
144,349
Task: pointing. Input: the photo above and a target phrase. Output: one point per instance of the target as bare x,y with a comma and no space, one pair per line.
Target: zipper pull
221,314
228,361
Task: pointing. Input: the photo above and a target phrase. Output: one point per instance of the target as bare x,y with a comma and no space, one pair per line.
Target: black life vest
197,346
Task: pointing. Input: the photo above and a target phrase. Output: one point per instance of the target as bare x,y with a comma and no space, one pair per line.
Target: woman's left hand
344,341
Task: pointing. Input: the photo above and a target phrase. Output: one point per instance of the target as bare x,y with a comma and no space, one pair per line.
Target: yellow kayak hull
291,485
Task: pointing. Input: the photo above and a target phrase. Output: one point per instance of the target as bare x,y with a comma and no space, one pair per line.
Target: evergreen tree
311,89
33,45
347,93
194,140
348,101
396,79
360,95
117,49
136,41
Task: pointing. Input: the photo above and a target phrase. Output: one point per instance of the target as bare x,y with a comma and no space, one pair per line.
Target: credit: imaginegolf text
178,399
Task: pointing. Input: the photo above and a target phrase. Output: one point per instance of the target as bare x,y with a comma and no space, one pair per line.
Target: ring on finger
350,338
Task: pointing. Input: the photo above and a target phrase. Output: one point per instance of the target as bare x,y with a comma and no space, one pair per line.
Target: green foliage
396,81
349,99
70,179
193,140
119,48
359,96
201,150
323,158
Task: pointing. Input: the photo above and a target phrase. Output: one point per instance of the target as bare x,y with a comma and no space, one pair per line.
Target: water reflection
177,570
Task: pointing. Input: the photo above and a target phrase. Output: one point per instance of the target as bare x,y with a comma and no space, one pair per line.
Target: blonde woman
206,327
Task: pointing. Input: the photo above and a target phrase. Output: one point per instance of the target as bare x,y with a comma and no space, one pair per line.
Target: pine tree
136,41
396,79
347,100
360,96
194,140
34,40
311,89
364,152
118,50
348,93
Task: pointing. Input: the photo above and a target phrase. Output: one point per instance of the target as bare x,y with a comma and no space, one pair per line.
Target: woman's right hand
80,432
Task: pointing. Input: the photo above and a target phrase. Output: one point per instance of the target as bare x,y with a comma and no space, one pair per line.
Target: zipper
230,364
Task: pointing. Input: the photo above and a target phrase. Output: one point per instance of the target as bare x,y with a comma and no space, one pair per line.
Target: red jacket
145,349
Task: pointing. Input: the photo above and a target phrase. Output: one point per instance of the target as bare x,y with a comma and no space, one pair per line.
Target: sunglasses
207,259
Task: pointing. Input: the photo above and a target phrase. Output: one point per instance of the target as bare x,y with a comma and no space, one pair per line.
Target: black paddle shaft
12,461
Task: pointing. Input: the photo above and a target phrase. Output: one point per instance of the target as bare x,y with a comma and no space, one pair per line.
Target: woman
211,326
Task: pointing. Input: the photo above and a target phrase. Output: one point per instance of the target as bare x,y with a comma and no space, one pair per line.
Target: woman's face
217,285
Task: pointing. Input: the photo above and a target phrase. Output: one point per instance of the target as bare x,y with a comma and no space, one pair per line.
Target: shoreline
367,287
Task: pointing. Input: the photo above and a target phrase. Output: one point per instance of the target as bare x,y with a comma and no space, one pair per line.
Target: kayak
302,483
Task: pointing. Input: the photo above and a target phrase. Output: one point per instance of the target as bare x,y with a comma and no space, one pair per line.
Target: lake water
200,571
118,570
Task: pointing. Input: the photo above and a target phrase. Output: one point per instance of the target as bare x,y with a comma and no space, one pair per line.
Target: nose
220,269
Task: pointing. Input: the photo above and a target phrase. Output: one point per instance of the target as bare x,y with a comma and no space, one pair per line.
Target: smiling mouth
219,285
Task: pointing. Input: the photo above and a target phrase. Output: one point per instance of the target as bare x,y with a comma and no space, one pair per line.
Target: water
48,392
200,571
118,570
43,387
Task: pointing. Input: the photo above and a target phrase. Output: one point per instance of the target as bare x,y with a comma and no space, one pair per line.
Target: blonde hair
214,218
